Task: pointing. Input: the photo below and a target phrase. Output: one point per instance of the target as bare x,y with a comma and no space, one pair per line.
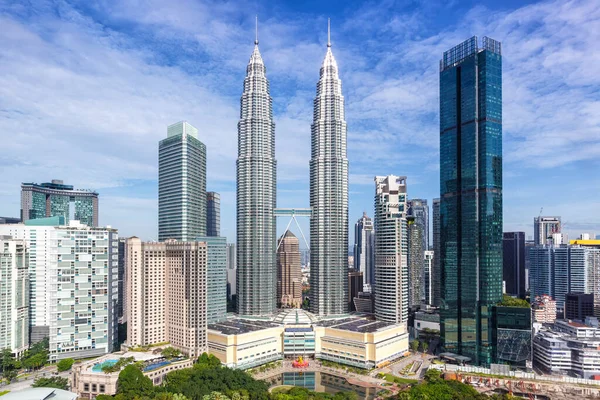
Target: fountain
300,363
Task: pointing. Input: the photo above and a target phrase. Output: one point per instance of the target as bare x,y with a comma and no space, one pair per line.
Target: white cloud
87,93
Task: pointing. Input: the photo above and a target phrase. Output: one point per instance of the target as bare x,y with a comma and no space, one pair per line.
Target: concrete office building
289,276
416,259
544,228
181,184
216,303
213,214
14,295
256,194
513,335
391,249
471,197
167,294
568,347
436,270
578,306
513,263
419,209
329,195
55,199
73,273
364,255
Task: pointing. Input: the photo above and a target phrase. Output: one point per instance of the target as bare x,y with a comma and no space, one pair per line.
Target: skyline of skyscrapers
391,249
394,258
471,197
181,184
329,195
256,178
55,199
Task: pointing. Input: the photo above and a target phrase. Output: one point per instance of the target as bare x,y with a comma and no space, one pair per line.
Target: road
21,384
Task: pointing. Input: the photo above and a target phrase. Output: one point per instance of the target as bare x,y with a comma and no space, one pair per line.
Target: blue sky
88,88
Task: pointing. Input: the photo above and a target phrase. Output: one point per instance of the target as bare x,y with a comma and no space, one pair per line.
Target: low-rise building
88,380
356,341
570,348
544,309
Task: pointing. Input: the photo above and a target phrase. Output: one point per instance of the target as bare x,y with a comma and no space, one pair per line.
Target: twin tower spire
256,177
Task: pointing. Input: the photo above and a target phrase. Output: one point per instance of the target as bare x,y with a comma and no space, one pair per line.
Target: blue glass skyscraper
471,197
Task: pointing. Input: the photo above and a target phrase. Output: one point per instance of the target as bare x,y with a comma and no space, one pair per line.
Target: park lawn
2,393
398,380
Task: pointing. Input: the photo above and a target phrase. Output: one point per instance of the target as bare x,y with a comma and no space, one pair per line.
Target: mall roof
40,394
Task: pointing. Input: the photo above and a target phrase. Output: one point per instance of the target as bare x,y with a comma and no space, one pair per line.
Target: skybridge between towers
293,213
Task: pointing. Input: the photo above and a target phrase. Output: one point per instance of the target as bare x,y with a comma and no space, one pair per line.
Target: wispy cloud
88,88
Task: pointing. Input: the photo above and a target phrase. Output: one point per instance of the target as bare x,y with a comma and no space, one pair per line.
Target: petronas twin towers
257,195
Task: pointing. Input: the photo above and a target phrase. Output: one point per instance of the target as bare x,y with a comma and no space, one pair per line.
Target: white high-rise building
73,272
364,257
329,195
14,295
544,228
428,275
256,194
391,249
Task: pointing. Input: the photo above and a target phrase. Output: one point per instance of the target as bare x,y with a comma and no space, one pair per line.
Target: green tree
132,383
36,361
8,365
170,352
215,396
52,382
425,347
414,345
65,364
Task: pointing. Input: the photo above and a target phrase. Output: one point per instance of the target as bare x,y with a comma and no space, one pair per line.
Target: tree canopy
53,382
508,301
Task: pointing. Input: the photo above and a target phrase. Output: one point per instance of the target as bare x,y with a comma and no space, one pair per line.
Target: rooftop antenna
328,32
256,40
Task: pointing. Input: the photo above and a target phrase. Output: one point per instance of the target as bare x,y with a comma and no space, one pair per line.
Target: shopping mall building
351,340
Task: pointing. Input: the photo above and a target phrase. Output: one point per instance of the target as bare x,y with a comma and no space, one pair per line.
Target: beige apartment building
289,275
166,294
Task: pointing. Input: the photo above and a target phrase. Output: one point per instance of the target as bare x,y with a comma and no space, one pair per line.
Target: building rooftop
240,326
356,324
295,316
40,394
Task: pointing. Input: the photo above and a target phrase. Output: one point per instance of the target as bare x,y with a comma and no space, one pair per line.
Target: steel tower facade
256,194
329,195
